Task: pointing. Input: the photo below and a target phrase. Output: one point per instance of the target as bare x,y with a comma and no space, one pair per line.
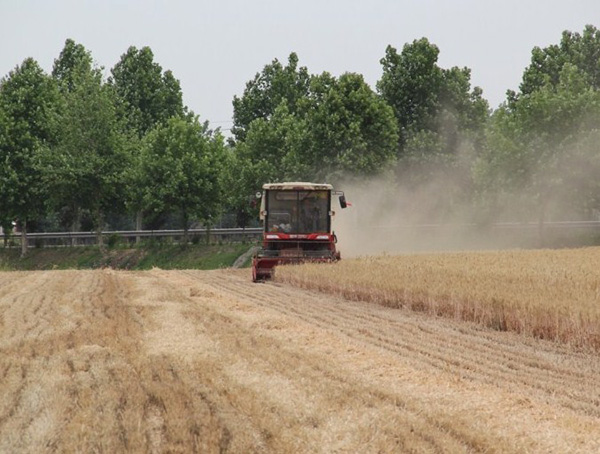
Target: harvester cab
297,226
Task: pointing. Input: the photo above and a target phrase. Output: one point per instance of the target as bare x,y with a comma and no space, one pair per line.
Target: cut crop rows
548,294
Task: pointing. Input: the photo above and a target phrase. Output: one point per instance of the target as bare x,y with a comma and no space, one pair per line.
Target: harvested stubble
549,294
206,361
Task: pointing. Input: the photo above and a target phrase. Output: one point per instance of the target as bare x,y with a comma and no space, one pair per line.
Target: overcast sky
215,47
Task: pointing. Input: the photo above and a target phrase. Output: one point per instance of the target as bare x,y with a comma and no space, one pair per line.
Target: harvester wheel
256,275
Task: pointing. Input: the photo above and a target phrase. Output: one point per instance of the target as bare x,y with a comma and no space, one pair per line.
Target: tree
265,93
410,83
29,99
272,146
6,196
181,165
340,126
73,67
441,122
579,50
351,130
435,108
86,168
464,111
540,145
73,62
271,152
242,179
149,96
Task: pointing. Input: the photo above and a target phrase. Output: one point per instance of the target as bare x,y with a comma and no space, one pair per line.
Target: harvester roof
298,186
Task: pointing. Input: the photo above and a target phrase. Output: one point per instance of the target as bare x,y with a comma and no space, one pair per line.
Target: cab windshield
297,211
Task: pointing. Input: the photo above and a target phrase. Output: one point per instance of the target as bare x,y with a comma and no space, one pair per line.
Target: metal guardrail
56,237
145,233
255,232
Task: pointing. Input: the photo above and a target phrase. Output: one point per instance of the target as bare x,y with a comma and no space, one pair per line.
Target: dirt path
191,361
242,259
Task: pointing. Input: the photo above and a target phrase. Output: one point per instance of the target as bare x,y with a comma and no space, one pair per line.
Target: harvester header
297,220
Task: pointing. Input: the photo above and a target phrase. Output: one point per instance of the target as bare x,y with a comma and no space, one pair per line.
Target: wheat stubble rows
189,361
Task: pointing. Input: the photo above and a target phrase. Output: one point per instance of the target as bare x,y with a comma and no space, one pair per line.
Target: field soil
205,361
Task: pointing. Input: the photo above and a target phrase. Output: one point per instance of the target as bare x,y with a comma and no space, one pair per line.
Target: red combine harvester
297,226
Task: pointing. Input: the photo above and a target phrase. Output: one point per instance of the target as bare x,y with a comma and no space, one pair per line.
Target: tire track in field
73,379
42,341
399,424
468,353
11,280
472,353
431,345
22,413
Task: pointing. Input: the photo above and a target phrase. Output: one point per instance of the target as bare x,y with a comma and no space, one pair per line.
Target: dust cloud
388,217
442,210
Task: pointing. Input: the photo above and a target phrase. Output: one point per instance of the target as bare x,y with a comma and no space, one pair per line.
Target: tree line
78,150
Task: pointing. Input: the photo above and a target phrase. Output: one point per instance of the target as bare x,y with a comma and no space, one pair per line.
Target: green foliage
322,127
74,61
146,98
351,130
435,108
85,170
201,256
75,144
441,122
6,174
411,83
272,147
50,258
542,147
276,84
149,97
205,257
29,101
181,164
579,50
113,240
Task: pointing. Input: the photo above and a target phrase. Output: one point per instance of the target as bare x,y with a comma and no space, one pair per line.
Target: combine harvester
297,226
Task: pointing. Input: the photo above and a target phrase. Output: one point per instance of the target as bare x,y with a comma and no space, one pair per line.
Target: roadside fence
46,239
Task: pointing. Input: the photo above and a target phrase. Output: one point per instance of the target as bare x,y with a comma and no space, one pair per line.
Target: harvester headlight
272,237
323,237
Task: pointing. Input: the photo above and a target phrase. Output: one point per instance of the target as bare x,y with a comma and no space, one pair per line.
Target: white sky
215,47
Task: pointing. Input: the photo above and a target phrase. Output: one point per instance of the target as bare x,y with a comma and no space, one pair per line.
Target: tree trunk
99,221
76,225
99,238
138,225
185,227
24,244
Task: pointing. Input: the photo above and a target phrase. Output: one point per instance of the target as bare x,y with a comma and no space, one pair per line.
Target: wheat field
549,294
208,362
